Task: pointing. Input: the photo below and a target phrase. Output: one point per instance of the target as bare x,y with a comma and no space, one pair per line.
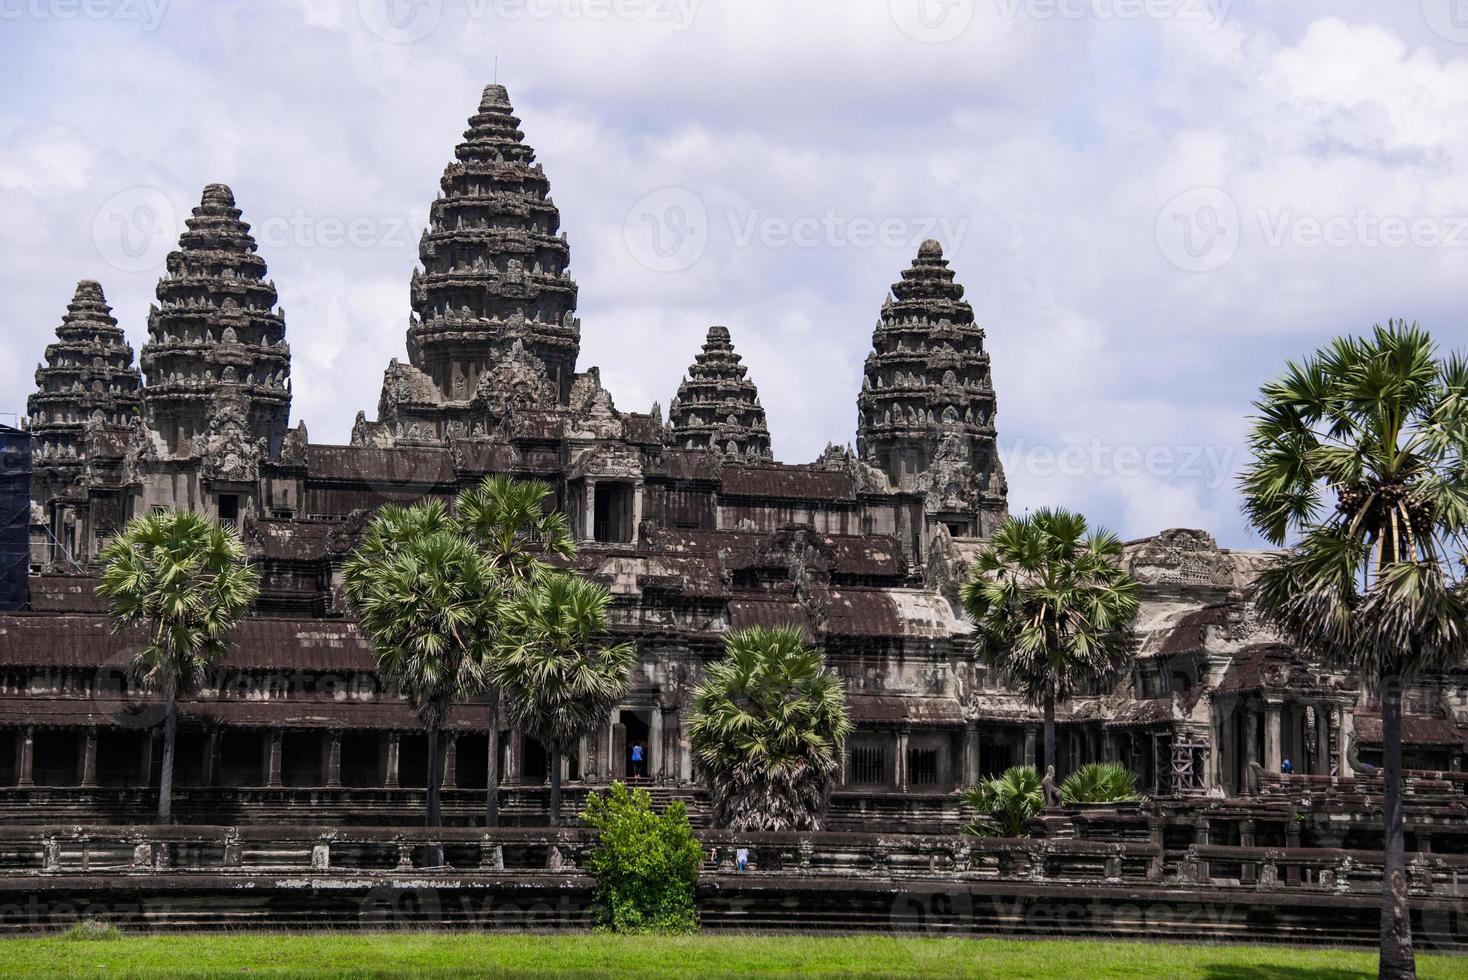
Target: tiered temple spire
89,378
927,396
717,407
494,263
215,334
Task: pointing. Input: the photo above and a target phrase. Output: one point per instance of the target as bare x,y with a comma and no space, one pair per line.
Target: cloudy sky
1152,203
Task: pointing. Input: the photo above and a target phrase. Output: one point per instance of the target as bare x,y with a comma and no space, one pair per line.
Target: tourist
1286,768
637,770
741,859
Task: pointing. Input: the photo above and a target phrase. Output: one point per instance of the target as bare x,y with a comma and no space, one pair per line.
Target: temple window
612,522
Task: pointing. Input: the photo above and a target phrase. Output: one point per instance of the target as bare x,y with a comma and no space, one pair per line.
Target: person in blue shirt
1286,768
637,768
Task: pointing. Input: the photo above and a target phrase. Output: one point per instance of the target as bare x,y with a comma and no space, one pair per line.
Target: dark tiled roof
896,709
1189,633
258,644
380,467
65,593
787,483
1416,730
747,613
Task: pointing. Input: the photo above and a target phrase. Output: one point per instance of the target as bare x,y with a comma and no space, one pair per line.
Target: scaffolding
15,517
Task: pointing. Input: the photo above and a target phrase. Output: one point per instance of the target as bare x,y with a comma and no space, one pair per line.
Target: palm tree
559,675
1052,607
1011,800
183,578
1100,782
768,727
425,597
1360,450
508,521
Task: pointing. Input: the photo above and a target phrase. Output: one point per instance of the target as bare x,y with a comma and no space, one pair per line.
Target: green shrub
1004,804
1100,782
645,864
92,930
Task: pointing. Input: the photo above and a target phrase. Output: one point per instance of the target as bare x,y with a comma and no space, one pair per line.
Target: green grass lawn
342,954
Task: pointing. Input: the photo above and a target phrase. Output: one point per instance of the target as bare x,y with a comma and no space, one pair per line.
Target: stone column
590,533
89,759
272,773
25,754
1251,740
515,769
617,769
637,513
654,761
902,761
1031,733
208,772
1272,754
1345,730
334,760
672,746
450,761
1323,715
391,781
971,775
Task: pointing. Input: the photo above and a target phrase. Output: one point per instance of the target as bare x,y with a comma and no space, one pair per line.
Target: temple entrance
638,726
362,758
534,766
57,758
994,758
612,517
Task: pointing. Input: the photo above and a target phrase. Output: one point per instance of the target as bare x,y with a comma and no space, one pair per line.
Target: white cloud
1048,146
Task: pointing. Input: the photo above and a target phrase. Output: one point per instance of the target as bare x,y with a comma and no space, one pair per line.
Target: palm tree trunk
1397,960
433,856
492,796
165,773
1049,707
555,785
435,817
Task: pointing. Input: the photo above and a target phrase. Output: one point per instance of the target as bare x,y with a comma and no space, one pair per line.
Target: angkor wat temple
688,519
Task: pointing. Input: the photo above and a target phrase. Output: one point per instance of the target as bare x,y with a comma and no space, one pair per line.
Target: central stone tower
494,264
925,415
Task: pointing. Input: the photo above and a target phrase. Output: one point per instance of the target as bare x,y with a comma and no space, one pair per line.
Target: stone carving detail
908,422
717,407
494,262
516,382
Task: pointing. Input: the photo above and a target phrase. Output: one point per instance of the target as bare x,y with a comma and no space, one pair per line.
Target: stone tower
216,341
717,407
925,415
89,379
494,264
